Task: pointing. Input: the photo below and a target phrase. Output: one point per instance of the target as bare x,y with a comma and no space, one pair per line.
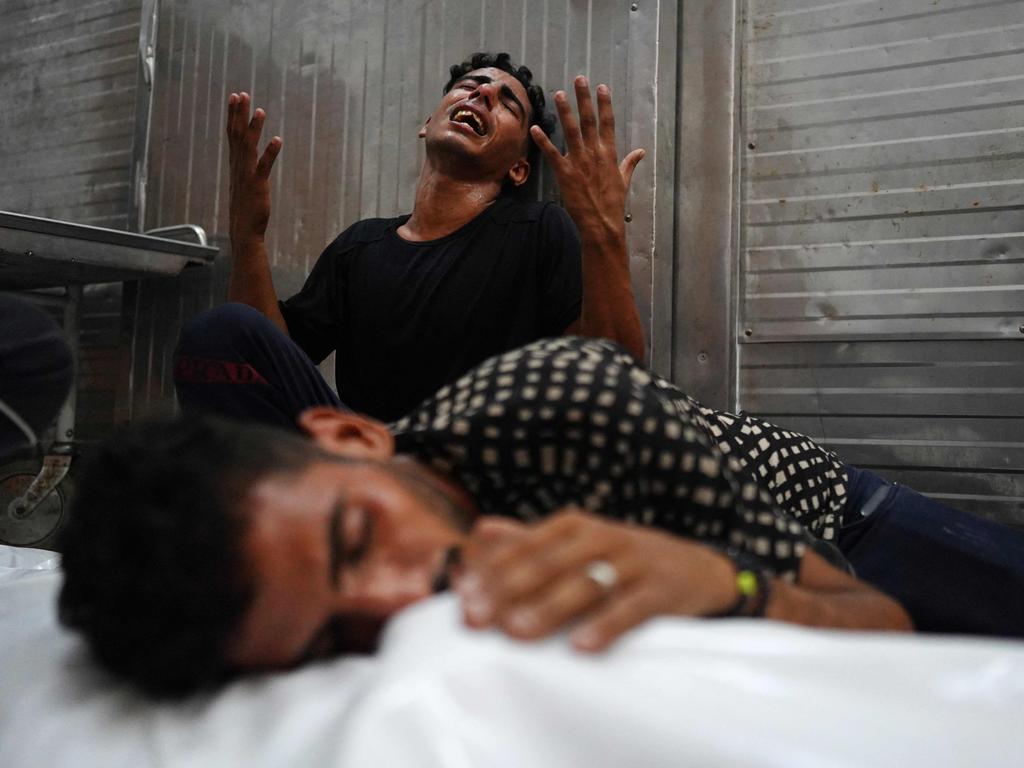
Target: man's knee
226,330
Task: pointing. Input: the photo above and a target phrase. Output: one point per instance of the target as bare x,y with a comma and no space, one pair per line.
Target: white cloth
677,692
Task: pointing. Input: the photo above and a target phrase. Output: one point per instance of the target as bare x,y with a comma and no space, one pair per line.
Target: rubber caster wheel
39,527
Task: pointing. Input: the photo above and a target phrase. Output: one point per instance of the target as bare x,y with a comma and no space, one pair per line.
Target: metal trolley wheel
39,527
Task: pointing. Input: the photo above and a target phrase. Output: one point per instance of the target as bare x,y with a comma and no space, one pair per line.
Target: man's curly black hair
153,571
503,61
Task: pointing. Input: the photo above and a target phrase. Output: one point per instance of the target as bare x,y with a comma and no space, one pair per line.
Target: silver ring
604,574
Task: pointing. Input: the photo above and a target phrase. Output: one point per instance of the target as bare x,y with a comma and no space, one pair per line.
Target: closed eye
350,533
508,98
357,532
348,539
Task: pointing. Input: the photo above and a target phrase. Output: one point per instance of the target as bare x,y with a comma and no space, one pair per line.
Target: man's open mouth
471,119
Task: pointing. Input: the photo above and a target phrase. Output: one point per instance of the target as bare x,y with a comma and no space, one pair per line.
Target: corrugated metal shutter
882,285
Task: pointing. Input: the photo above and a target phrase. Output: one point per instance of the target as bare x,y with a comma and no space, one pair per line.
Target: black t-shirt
407,318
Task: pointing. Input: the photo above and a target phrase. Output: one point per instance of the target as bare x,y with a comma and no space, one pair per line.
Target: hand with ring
598,576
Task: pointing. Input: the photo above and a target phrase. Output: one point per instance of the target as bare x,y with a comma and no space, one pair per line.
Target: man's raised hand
249,172
592,181
594,184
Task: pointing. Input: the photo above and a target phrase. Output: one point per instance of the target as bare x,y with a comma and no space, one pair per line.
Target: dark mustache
443,580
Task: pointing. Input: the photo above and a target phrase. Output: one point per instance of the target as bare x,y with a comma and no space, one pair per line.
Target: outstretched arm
249,210
593,185
531,581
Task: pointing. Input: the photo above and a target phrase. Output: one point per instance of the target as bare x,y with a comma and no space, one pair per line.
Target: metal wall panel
884,190
67,85
882,237
347,83
68,74
942,417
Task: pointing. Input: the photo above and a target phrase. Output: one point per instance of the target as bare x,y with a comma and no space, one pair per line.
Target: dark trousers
952,571
234,362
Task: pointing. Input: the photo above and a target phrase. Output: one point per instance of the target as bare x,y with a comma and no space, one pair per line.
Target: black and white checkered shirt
578,421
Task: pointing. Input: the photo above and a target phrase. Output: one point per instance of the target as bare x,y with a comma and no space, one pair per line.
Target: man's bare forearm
250,281
844,609
249,209
609,307
825,597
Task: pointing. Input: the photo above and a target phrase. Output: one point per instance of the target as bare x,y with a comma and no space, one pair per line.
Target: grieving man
410,303
560,485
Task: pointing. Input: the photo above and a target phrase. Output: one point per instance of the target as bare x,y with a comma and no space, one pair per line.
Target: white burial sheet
675,693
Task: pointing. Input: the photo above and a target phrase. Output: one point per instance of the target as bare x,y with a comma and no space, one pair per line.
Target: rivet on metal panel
748,331
1021,328
702,357
634,7
629,217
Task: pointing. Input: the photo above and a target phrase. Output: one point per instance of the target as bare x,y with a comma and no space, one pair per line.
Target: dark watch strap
753,584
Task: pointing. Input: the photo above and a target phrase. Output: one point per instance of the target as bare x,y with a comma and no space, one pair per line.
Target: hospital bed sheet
676,692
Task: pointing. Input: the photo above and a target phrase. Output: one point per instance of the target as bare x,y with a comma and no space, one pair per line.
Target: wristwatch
753,585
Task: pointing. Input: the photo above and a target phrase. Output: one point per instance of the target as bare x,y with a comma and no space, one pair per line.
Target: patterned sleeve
577,421
695,489
804,479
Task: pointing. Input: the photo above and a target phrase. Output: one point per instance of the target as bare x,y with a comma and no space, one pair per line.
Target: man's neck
445,203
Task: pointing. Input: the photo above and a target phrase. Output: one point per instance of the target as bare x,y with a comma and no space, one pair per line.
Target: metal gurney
50,261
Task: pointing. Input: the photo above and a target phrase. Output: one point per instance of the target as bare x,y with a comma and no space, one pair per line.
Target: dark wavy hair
154,576
503,61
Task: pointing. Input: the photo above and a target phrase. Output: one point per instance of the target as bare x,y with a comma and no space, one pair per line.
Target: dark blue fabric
36,369
952,571
234,362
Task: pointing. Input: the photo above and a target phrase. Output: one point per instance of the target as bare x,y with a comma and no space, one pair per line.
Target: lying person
201,548
410,303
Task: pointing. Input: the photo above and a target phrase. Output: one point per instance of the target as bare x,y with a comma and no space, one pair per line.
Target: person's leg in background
952,571
232,361
36,372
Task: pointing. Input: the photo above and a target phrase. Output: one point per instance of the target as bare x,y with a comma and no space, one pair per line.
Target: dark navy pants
952,571
234,362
